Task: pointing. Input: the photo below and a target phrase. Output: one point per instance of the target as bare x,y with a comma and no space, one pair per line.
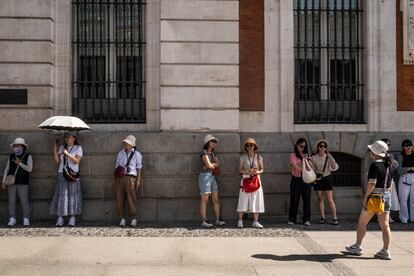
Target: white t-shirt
74,150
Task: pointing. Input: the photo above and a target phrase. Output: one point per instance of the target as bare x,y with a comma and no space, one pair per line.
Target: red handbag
120,171
251,184
216,171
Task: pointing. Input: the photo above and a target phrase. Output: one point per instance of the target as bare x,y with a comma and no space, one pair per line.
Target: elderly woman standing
251,201
19,164
127,180
67,198
324,165
207,182
406,183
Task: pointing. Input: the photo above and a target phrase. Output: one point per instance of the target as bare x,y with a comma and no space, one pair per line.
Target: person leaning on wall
127,180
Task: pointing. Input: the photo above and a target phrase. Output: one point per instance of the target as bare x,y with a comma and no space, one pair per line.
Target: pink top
294,160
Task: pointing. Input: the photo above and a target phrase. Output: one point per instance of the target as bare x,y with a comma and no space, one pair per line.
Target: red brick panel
251,51
405,73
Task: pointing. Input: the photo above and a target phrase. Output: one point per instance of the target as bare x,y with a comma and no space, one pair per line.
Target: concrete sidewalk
313,253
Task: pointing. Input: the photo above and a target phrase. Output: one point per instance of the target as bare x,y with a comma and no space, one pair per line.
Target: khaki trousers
125,187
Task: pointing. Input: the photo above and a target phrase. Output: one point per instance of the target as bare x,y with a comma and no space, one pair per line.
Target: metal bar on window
109,70
328,87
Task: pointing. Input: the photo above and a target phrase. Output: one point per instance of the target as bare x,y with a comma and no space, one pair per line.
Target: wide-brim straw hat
379,148
130,140
250,141
19,141
208,138
315,146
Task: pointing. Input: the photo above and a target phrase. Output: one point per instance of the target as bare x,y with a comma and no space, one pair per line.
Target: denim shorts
207,183
387,202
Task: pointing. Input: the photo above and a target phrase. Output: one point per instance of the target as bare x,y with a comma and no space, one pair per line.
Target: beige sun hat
19,141
379,148
250,141
315,146
208,138
130,140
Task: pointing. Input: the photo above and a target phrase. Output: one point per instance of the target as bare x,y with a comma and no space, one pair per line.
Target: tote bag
308,175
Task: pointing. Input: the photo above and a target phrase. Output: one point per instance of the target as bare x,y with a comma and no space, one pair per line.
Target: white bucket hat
19,141
208,138
130,140
379,148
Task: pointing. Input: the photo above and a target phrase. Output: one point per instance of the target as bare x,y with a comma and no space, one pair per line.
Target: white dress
251,202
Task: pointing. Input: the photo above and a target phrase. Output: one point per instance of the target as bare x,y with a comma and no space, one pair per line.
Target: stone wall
170,182
199,65
27,59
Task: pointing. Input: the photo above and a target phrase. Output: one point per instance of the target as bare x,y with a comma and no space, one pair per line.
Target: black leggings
299,188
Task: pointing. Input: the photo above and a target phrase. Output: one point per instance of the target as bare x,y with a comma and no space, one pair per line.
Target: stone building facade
226,67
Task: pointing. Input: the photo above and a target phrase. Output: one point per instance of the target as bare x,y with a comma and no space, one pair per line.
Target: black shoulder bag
68,173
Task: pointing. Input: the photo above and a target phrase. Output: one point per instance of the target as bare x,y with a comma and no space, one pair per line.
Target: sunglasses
301,146
213,141
249,145
322,146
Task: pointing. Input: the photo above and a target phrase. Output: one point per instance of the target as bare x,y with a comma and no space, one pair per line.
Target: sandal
322,221
335,222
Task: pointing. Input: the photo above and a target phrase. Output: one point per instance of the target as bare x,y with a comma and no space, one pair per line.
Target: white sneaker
206,224
256,224
26,222
383,254
354,249
72,221
240,223
122,222
12,222
133,223
220,222
59,221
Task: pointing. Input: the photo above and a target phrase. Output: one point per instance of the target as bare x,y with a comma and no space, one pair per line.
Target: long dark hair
305,150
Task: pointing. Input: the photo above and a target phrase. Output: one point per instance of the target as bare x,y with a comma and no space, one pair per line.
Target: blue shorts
207,183
387,202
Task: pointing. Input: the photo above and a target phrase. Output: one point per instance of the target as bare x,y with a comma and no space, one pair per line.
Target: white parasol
64,123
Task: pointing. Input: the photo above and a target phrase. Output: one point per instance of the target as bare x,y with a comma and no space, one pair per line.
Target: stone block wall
170,173
27,59
199,72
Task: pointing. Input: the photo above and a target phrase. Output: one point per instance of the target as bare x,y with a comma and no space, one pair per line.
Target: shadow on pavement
324,258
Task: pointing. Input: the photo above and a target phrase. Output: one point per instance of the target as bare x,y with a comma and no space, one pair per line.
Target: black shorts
325,184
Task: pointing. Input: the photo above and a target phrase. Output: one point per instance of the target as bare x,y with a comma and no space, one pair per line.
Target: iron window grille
108,47
327,49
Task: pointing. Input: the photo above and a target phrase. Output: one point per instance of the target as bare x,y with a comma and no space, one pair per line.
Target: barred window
327,45
108,45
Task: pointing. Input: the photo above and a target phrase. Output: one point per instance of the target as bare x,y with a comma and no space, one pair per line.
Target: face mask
18,150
